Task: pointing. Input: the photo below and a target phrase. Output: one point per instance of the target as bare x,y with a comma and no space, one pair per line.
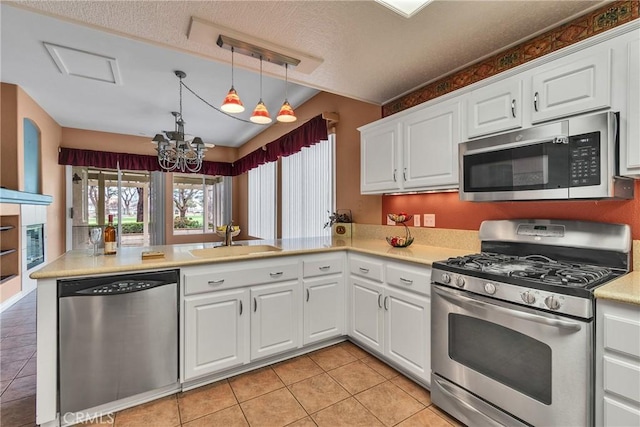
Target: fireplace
35,245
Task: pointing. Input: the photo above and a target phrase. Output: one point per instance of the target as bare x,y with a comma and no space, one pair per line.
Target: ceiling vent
79,63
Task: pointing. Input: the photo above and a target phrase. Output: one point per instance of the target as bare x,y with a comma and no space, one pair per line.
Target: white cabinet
216,332
411,151
495,108
275,319
575,84
324,298
379,158
617,364
630,141
393,322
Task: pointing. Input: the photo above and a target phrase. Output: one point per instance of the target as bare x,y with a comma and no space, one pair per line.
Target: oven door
533,365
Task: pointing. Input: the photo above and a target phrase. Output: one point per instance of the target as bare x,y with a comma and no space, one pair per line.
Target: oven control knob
490,288
460,282
552,302
446,278
528,297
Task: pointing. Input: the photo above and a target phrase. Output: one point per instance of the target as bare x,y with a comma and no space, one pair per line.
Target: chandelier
177,151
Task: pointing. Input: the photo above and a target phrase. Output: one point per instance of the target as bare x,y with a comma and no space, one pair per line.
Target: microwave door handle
556,139
459,299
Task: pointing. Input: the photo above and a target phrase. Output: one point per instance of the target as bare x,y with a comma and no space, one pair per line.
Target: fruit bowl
399,241
399,217
222,230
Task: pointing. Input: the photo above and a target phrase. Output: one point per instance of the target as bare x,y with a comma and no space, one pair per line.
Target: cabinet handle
215,282
240,307
307,295
404,174
386,303
535,101
380,300
324,267
408,281
513,108
255,304
394,175
276,274
364,270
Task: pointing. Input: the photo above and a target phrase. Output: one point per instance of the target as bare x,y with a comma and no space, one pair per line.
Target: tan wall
9,134
353,114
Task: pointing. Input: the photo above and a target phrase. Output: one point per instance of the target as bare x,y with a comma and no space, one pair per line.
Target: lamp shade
232,103
260,114
286,114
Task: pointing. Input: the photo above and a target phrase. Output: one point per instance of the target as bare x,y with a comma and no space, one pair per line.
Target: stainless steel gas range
512,327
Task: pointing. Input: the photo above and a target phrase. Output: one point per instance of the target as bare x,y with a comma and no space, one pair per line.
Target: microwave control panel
584,160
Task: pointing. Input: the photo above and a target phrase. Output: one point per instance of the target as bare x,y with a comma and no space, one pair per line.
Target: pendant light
286,114
260,113
232,103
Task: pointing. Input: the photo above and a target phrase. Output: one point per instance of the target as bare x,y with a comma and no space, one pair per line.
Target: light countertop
624,289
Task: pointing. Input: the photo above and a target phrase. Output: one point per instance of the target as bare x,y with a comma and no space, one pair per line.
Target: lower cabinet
216,332
323,308
392,322
275,319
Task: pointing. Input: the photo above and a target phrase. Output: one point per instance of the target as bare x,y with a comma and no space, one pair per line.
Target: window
308,190
262,201
200,203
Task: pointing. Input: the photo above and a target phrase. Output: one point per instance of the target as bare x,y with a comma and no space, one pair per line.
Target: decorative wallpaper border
581,28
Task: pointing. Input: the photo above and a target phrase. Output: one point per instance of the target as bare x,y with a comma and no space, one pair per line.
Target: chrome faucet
228,237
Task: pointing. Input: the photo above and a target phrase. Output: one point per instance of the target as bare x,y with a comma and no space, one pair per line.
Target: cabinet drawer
622,334
368,268
622,378
322,266
215,279
617,414
417,279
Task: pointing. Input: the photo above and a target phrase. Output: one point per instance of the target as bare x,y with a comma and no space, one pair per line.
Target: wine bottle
110,238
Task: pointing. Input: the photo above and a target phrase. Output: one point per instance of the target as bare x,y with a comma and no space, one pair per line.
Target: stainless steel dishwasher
117,337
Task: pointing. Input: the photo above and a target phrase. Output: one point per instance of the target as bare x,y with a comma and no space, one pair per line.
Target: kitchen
450,213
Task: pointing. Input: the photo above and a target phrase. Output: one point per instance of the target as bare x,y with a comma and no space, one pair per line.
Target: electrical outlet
429,220
390,221
416,220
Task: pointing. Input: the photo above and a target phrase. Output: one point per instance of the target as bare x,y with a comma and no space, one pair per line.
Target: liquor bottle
110,238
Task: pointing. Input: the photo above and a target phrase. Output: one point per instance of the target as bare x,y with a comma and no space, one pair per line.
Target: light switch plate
416,220
390,221
429,220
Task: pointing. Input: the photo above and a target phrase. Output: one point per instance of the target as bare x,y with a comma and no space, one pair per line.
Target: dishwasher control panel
119,288
115,285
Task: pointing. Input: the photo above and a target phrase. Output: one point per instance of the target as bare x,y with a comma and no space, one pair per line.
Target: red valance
306,135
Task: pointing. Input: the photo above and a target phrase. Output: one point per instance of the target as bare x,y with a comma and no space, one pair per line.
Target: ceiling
359,49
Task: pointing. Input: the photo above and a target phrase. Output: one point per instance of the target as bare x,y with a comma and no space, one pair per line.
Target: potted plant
340,222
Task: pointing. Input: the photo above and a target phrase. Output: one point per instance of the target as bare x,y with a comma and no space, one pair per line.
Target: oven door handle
450,392
460,299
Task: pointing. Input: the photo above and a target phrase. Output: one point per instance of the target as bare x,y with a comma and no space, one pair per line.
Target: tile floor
338,386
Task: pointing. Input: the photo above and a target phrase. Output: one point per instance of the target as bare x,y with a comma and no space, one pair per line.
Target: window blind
262,201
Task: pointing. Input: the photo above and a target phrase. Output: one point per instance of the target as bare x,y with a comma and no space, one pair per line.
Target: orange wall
353,114
452,213
9,135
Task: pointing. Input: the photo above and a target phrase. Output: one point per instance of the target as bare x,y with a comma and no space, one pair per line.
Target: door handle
379,300
513,108
394,175
535,101
240,307
386,303
404,174
255,304
307,295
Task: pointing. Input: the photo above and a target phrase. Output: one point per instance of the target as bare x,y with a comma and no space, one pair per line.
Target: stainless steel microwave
574,158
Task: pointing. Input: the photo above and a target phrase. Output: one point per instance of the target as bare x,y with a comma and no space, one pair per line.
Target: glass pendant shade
260,114
286,114
232,102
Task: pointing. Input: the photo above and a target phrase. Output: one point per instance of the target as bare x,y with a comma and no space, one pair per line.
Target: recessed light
406,8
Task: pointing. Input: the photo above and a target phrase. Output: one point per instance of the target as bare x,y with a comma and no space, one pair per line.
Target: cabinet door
430,147
323,309
630,145
216,332
366,314
575,84
379,158
407,332
495,108
275,318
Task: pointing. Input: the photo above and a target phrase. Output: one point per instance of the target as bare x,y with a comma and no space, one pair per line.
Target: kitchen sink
225,251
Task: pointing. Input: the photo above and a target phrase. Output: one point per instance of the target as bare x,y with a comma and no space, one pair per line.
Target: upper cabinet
495,108
630,129
412,151
579,83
